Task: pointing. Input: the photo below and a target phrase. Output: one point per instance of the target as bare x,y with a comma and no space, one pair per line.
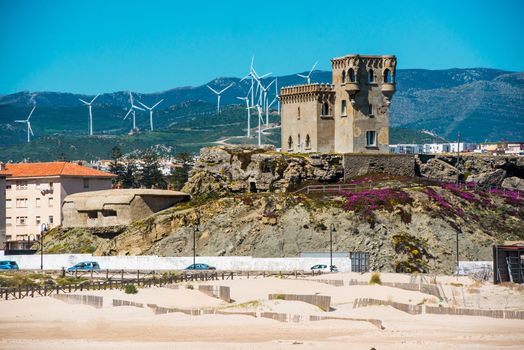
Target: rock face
513,183
439,169
239,169
490,178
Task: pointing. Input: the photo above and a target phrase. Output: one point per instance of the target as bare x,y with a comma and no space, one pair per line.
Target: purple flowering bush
364,203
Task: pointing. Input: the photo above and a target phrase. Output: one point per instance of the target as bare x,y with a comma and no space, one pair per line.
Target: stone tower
351,115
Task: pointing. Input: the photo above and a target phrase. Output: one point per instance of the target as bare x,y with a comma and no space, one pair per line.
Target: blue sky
103,46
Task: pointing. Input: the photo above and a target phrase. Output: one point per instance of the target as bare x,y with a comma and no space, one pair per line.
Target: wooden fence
322,301
425,288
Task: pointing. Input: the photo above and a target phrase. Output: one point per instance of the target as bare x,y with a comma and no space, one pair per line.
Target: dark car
200,267
85,266
8,265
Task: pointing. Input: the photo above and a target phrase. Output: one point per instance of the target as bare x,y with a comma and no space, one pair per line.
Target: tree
180,175
149,173
117,167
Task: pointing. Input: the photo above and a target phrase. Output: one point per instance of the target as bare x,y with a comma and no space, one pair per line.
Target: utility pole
331,230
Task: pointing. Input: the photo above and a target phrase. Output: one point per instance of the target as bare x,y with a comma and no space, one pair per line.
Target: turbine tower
151,111
308,76
132,110
218,93
29,130
88,104
248,107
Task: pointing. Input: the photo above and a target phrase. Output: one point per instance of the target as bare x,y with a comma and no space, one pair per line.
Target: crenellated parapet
305,93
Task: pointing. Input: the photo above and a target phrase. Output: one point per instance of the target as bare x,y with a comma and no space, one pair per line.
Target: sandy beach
46,322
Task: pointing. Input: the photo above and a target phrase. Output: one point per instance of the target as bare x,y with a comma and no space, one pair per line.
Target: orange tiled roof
51,169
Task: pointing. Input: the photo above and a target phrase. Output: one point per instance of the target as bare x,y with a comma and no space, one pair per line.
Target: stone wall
362,164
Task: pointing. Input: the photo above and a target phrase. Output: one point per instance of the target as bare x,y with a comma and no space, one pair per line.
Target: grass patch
130,289
375,278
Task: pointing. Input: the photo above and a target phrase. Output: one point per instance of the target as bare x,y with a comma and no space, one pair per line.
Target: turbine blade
87,103
312,69
247,76
128,113
30,129
252,61
230,85
93,100
131,98
210,88
156,104
20,121
31,112
265,75
302,76
139,108
145,105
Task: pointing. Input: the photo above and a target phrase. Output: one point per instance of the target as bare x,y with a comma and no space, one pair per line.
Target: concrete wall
361,164
151,262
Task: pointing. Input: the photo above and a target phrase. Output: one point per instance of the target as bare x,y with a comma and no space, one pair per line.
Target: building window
8,221
51,219
325,109
107,212
308,142
38,220
8,203
343,76
50,202
352,76
86,183
344,108
38,185
371,138
21,220
371,76
21,202
370,110
290,143
298,113
387,76
21,185
37,203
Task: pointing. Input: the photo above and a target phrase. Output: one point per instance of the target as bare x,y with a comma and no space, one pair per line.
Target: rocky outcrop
513,183
490,178
439,169
239,169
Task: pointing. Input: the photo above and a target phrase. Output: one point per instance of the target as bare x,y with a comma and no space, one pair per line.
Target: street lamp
43,230
195,230
331,231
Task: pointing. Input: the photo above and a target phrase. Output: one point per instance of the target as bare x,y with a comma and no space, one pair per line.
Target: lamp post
43,230
195,230
459,230
331,230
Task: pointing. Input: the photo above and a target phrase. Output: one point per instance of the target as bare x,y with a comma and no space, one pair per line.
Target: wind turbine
151,111
29,130
132,109
218,93
308,76
90,113
248,107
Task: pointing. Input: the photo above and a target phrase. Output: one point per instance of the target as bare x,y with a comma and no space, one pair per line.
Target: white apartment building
34,193
431,148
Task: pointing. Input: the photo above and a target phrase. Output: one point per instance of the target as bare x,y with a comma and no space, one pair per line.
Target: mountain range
480,103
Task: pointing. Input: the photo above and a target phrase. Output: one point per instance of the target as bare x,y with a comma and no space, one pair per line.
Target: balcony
388,87
352,87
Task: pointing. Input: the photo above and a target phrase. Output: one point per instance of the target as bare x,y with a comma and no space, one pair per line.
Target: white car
323,268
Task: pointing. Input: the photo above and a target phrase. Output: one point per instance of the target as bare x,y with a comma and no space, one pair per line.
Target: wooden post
107,274
91,273
138,277
122,273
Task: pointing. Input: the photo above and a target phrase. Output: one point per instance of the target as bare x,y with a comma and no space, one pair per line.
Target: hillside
483,104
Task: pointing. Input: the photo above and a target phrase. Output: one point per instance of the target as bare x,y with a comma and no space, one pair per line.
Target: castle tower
349,116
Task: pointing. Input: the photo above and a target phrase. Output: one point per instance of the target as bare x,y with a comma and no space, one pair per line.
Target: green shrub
130,289
189,286
280,297
375,278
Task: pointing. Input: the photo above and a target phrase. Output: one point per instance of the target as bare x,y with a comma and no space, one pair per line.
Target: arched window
387,76
344,108
343,76
352,77
325,108
371,76
298,112
290,143
308,142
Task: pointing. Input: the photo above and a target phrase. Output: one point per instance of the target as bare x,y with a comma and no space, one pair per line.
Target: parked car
323,268
200,267
85,266
8,265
